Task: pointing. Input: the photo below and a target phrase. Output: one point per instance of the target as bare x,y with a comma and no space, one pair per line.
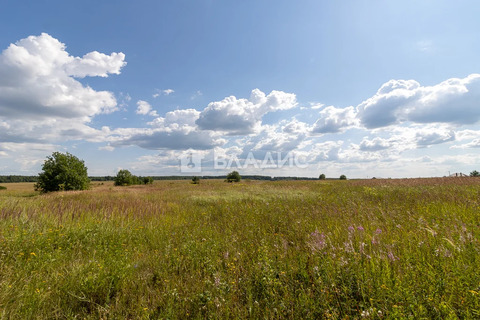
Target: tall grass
291,249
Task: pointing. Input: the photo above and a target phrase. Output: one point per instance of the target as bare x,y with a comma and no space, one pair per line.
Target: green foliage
234,176
147,180
474,173
343,177
126,178
62,172
196,180
16,178
322,177
3,188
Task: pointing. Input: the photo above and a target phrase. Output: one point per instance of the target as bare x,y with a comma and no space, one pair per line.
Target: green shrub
234,176
62,172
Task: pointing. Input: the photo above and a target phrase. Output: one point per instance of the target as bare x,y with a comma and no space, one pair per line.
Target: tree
196,180
343,177
233,176
474,173
124,178
147,180
321,177
62,172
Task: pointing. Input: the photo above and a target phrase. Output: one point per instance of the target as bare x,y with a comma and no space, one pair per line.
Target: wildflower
365,314
317,241
33,254
378,231
391,256
351,229
360,228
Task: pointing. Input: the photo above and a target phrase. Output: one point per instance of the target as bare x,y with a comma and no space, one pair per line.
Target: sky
375,88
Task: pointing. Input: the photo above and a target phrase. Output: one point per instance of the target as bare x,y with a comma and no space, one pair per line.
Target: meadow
371,249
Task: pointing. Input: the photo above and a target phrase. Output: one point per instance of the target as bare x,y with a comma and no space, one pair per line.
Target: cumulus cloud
175,131
475,143
166,138
144,108
427,137
38,90
333,120
95,64
375,144
243,116
453,101
177,118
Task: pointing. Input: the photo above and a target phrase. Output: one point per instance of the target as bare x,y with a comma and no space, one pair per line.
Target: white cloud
175,131
168,138
453,101
375,144
165,92
333,120
243,116
144,108
38,92
475,143
26,155
430,136
177,118
96,64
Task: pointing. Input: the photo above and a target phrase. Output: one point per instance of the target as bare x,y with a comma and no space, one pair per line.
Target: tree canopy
126,178
62,171
234,176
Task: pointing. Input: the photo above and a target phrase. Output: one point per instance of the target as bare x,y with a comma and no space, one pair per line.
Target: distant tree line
15,178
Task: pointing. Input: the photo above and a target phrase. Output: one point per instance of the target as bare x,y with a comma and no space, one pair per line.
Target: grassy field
377,249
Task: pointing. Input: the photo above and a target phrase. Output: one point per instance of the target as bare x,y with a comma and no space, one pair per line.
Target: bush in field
322,177
234,176
62,172
147,180
474,173
126,178
3,188
196,180
343,177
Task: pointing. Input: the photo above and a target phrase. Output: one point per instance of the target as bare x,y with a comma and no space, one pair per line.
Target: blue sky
362,88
